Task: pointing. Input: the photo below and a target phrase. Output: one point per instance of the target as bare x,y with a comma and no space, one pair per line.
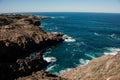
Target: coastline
20,35
29,38
105,67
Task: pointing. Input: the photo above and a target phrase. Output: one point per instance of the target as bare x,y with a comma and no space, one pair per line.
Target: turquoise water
95,34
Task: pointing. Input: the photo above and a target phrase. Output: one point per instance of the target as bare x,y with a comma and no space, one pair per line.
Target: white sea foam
68,39
62,17
54,32
65,70
49,68
53,17
114,36
112,51
96,34
50,59
83,61
91,56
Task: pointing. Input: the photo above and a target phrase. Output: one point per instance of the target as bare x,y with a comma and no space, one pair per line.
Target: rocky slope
45,76
20,35
104,68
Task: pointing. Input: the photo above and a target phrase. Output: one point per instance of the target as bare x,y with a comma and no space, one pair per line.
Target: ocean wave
52,64
83,61
54,32
114,36
112,51
96,34
65,70
50,59
62,17
90,56
53,17
68,38
49,68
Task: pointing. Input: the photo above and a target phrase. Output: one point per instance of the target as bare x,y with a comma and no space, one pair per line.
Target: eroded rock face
21,34
104,68
22,67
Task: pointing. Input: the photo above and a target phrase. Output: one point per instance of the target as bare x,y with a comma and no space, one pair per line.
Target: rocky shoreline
106,67
20,35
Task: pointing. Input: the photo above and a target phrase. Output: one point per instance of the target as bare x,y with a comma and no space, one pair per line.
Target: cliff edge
21,35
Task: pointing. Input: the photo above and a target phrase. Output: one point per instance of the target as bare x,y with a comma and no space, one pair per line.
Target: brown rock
41,75
21,35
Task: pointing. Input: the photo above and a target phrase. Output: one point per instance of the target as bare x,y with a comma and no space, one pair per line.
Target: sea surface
91,35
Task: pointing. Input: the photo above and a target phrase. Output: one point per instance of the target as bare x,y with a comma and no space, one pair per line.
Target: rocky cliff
20,35
104,68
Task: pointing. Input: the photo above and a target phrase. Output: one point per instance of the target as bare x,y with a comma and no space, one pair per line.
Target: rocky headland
20,35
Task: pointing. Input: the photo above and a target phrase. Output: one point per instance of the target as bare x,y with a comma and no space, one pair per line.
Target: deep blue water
96,34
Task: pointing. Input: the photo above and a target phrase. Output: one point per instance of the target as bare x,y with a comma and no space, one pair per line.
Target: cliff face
20,35
104,68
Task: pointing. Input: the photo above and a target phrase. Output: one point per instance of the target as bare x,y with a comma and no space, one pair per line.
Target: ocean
91,35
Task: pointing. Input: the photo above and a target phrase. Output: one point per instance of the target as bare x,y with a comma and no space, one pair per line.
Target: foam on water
52,64
53,17
96,34
112,51
114,36
65,70
54,32
83,61
50,59
91,56
61,17
68,38
49,68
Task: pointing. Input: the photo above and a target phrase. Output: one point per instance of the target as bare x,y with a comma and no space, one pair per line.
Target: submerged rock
106,67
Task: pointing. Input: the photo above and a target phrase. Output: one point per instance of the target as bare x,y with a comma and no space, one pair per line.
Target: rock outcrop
22,67
45,76
106,67
20,35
